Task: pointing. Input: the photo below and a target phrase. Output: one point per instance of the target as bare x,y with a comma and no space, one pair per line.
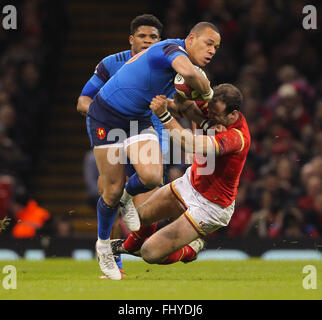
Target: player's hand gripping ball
184,89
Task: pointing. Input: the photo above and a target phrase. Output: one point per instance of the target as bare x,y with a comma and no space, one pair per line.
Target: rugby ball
184,89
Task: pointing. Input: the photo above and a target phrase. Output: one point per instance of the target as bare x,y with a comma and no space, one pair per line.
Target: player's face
203,47
216,111
143,38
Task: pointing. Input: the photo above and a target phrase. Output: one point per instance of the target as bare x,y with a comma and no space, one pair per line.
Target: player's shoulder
115,58
241,127
164,43
167,48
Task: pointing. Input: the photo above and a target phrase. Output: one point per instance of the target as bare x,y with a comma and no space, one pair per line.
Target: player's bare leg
116,232
146,158
112,180
161,205
169,243
142,197
112,174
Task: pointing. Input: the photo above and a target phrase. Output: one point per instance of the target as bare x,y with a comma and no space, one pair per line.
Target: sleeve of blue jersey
172,50
162,56
93,85
96,82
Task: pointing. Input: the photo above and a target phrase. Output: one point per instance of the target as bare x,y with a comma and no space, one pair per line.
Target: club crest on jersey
202,224
101,133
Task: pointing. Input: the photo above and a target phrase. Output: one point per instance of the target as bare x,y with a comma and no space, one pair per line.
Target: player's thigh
146,158
161,205
169,239
142,197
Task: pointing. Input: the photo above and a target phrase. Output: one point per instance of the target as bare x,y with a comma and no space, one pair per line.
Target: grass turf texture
53,279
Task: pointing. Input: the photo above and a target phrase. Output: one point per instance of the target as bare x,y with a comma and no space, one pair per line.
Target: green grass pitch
251,279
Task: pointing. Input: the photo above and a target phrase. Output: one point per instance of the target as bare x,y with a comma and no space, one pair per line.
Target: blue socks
118,261
105,219
134,186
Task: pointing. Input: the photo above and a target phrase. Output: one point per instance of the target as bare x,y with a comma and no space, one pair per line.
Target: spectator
275,63
242,215
313,187
24,99
313,217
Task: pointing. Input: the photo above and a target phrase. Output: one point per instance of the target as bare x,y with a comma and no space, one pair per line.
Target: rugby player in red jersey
201,201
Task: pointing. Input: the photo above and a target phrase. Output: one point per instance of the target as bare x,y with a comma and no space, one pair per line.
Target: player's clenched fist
159,105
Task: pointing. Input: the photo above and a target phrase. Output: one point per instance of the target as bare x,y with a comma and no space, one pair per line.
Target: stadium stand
96,29
29,58
265,52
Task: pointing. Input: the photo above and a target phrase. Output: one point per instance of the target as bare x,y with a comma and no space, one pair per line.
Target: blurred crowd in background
28,57
277,64
265,51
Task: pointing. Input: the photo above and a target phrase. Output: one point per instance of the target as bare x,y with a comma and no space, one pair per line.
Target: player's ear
190,38
234,114
131,39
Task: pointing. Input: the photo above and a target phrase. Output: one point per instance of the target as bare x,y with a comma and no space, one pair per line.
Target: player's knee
148,254
151,179
112,194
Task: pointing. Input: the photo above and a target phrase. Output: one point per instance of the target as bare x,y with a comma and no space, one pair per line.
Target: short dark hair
146,20
230,95
199,27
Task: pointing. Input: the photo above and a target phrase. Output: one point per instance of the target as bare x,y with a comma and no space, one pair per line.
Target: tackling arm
189,143
189,109
180,107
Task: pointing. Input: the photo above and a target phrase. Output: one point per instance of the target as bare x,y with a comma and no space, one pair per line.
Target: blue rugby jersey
147,74
104,71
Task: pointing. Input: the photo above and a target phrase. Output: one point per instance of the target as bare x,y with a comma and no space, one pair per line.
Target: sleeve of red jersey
228,142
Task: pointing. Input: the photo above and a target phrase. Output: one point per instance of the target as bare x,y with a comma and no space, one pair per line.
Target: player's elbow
83,104
79,107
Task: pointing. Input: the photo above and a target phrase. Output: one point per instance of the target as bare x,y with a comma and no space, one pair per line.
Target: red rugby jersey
231,147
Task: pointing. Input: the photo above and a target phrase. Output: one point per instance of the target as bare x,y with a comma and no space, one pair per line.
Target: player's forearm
189,143
192,112
197,81
174,109
191,74
83,104
189,109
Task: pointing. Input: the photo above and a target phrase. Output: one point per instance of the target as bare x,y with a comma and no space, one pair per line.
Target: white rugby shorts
204,215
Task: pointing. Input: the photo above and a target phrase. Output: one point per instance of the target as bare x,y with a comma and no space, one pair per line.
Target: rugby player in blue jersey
145,30
118,122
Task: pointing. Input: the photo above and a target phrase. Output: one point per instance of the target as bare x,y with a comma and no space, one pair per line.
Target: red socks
136,239
185,254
